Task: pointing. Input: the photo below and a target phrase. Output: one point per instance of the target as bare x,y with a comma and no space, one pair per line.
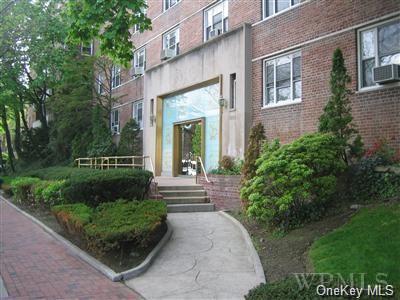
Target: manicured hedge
22,188
73,217
113,224
120,222
106,186
60,173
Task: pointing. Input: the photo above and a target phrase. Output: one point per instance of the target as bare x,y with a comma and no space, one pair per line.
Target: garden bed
119,261
284,254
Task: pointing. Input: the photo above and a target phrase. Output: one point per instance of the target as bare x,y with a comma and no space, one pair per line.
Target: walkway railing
108,162
198,159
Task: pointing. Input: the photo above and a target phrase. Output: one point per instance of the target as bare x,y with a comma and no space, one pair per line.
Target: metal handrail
202,168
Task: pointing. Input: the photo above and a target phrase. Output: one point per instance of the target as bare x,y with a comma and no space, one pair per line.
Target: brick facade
223,191
313,28
316,28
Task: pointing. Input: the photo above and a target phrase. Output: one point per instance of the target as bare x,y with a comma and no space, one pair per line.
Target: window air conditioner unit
215,32
386,74
167,53
138,71
115,129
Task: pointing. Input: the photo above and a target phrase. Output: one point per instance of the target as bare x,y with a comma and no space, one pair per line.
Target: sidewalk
35,265
206,258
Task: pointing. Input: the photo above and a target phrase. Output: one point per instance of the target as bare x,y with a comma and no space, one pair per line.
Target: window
100,84
378,46
171,40
169,3
87,49
143,11
216,20
282,79
139,60
115,121
115,77
271,7
138,113
232,98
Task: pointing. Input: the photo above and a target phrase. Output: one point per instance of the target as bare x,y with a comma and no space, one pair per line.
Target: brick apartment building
227,65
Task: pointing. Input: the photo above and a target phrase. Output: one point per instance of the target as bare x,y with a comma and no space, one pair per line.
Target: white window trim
359,57
264,17
135,57
134,104
165,7
177,38
91,49
208,8
287,102
112,121
100,84
113,75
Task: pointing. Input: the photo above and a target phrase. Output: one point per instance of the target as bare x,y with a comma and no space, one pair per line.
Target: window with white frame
216,20
138,113
282,79
115,76
170,3
139,60
115,121
271,7
171,40
100,84
232,97
87,48
378,46
136,27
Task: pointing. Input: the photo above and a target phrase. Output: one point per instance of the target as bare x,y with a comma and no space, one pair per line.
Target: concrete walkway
35,265
206,258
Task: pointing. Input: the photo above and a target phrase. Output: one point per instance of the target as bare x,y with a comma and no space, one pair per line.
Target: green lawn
369,243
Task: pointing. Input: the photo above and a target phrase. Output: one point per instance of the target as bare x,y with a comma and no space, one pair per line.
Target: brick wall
223,191
376,113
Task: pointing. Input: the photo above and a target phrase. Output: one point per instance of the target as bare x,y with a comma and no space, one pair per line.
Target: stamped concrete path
206,258
35,265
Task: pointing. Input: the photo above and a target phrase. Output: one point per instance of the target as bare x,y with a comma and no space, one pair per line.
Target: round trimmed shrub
294,182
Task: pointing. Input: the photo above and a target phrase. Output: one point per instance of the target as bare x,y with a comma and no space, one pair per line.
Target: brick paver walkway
35,265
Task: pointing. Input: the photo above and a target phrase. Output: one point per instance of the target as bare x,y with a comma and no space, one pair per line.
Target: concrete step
183,193
186,200
180,187
197,207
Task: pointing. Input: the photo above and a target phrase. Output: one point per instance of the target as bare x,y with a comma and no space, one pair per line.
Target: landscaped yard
103,212
369,243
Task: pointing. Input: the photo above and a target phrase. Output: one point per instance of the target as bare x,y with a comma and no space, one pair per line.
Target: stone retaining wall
223,190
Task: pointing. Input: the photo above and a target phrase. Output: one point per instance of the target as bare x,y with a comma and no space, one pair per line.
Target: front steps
186,198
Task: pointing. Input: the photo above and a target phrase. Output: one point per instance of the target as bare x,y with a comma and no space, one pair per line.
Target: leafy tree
130,143
110,22
71,107
337,117
101,144
105,97
256,141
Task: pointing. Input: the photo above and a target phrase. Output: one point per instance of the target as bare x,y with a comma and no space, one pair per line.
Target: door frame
177,143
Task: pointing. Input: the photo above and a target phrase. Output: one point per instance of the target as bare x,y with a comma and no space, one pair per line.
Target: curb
253,253
3,290
108,272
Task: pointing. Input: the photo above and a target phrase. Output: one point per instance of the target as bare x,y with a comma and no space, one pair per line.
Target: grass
369,243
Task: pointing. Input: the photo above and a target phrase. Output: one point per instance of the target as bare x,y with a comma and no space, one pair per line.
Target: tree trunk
17,140
8,136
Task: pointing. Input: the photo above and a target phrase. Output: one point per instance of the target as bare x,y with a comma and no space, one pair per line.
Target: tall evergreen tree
130,143
337,117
